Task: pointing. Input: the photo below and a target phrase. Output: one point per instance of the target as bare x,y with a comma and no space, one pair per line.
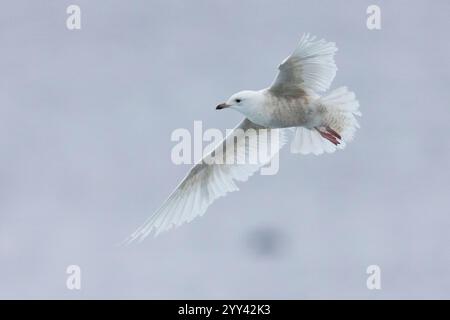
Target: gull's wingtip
126,242
138,236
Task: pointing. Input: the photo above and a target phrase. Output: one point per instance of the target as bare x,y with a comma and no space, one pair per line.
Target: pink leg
333,138
334,133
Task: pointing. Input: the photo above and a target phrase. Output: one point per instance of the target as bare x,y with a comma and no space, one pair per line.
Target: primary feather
206,182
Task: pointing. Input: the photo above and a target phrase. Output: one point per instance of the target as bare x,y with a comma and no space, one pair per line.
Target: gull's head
244,101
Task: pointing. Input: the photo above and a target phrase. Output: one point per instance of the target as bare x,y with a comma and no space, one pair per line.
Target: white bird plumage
291,103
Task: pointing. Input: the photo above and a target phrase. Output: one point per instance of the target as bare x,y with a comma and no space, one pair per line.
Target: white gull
320,123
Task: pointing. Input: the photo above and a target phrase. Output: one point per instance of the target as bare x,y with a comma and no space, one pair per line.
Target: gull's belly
288,113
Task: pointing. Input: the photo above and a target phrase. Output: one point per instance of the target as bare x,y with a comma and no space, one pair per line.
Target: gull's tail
339,124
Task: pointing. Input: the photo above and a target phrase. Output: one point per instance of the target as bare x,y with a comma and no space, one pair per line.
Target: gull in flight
292,106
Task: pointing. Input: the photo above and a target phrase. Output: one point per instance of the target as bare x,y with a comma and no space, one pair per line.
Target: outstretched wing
310,67
209,180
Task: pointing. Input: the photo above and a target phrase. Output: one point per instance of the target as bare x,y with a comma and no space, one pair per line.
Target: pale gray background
85,124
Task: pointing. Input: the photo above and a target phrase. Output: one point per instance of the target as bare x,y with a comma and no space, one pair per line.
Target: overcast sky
85,124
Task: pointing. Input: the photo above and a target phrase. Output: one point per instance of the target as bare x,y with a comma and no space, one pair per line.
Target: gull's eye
237,100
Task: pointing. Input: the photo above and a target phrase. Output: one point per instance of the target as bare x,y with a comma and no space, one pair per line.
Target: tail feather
341,107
